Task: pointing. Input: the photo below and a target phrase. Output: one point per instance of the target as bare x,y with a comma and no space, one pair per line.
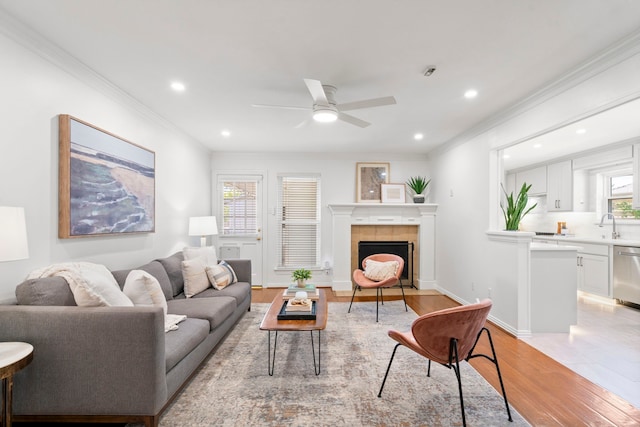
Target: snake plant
418,184
515,210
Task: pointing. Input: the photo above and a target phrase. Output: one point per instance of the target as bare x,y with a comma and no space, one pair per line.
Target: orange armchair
362,281
447,337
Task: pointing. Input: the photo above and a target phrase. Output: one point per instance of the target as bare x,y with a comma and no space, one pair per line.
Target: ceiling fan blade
367,103
353,120
287,107
317,92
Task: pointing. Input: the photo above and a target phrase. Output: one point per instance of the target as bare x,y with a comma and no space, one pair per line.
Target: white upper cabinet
560,187
537,177
636,176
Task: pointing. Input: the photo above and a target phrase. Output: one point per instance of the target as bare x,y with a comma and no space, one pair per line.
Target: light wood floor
542,390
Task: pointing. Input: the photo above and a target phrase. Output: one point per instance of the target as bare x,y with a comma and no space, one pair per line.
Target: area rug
233,387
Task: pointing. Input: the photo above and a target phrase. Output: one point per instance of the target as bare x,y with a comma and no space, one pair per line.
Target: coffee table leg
316,367
271,360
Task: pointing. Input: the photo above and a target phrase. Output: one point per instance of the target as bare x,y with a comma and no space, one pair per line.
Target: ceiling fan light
325,115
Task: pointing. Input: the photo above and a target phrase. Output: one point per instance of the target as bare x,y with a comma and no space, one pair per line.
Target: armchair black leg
388,368
453,355
403,298
353,296
493,360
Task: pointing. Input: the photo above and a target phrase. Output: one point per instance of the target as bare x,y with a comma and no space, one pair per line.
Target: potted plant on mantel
515,210
418,184
301,275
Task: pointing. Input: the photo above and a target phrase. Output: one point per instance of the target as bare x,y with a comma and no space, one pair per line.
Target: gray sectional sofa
115,364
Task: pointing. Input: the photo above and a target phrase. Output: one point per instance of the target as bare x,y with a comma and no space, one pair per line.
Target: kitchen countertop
592,240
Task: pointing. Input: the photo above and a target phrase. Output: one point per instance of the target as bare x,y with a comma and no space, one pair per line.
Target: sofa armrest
242,268
88,360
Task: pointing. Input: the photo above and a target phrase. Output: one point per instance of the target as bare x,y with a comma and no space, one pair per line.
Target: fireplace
403,249
358,222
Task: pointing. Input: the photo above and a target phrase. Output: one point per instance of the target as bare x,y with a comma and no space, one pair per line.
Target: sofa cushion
195,277
215,310
206,253
173,267
221,275
182,341
45,291
238,291
156,269
143,289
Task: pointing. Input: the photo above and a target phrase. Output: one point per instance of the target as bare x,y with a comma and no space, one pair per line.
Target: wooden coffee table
271,323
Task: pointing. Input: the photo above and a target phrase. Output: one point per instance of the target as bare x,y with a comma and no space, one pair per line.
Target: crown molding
38,44
620,51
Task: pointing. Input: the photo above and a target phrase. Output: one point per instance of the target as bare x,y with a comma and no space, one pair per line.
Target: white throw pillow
96,287
376,270
195,277
144,289
221,275
206,253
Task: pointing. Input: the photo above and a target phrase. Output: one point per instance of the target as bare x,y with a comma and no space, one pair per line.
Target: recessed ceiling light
537,145
226,133
471,93
506,156
581,131
178,86
418,136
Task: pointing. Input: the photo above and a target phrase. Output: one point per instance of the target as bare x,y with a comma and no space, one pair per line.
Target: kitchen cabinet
537,177
593,274
636,176
560,187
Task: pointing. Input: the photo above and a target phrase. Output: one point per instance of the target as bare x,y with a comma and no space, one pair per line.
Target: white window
620,196
239,207
298,221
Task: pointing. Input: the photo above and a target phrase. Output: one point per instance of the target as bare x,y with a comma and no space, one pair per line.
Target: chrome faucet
614,234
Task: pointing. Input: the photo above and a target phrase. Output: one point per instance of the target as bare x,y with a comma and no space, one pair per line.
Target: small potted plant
301,275
418,184
515,210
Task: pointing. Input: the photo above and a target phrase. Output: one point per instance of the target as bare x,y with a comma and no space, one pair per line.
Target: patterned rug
233,387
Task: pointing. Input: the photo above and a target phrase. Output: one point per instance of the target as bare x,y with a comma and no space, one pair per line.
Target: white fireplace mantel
347,214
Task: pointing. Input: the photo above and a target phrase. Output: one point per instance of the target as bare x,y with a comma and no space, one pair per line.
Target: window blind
298,221
239,205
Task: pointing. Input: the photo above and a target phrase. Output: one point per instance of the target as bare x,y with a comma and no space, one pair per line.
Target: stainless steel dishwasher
626,274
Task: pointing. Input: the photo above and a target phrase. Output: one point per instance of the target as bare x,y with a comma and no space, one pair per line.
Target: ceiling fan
325,108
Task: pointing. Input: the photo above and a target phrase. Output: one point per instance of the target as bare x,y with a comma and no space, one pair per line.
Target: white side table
13,357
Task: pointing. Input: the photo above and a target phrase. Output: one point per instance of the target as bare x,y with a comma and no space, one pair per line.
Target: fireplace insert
403,249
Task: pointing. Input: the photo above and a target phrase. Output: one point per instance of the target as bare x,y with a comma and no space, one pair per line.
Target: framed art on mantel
369,176
106,184
392,193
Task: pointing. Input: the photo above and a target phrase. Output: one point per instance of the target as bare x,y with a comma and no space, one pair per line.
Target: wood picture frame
393,193
106,184
369,177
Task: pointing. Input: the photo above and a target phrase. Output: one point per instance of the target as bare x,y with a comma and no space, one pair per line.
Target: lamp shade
203,226
13,234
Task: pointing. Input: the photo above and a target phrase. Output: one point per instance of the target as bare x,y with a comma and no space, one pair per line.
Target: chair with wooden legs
447,337
394,278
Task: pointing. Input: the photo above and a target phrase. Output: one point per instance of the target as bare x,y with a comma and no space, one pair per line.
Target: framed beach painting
369,176
106,184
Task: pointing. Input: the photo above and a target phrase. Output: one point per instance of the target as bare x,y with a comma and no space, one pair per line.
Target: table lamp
13,234
203,226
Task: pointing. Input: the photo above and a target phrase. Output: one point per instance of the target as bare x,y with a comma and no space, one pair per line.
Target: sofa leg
151,421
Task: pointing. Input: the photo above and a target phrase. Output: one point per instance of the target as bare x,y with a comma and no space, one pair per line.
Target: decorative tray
297,315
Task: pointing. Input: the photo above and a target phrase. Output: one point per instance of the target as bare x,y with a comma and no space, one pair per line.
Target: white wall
338,185
34,91
466,177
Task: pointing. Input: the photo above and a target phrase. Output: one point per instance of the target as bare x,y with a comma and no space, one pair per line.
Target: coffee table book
297,315
311,295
